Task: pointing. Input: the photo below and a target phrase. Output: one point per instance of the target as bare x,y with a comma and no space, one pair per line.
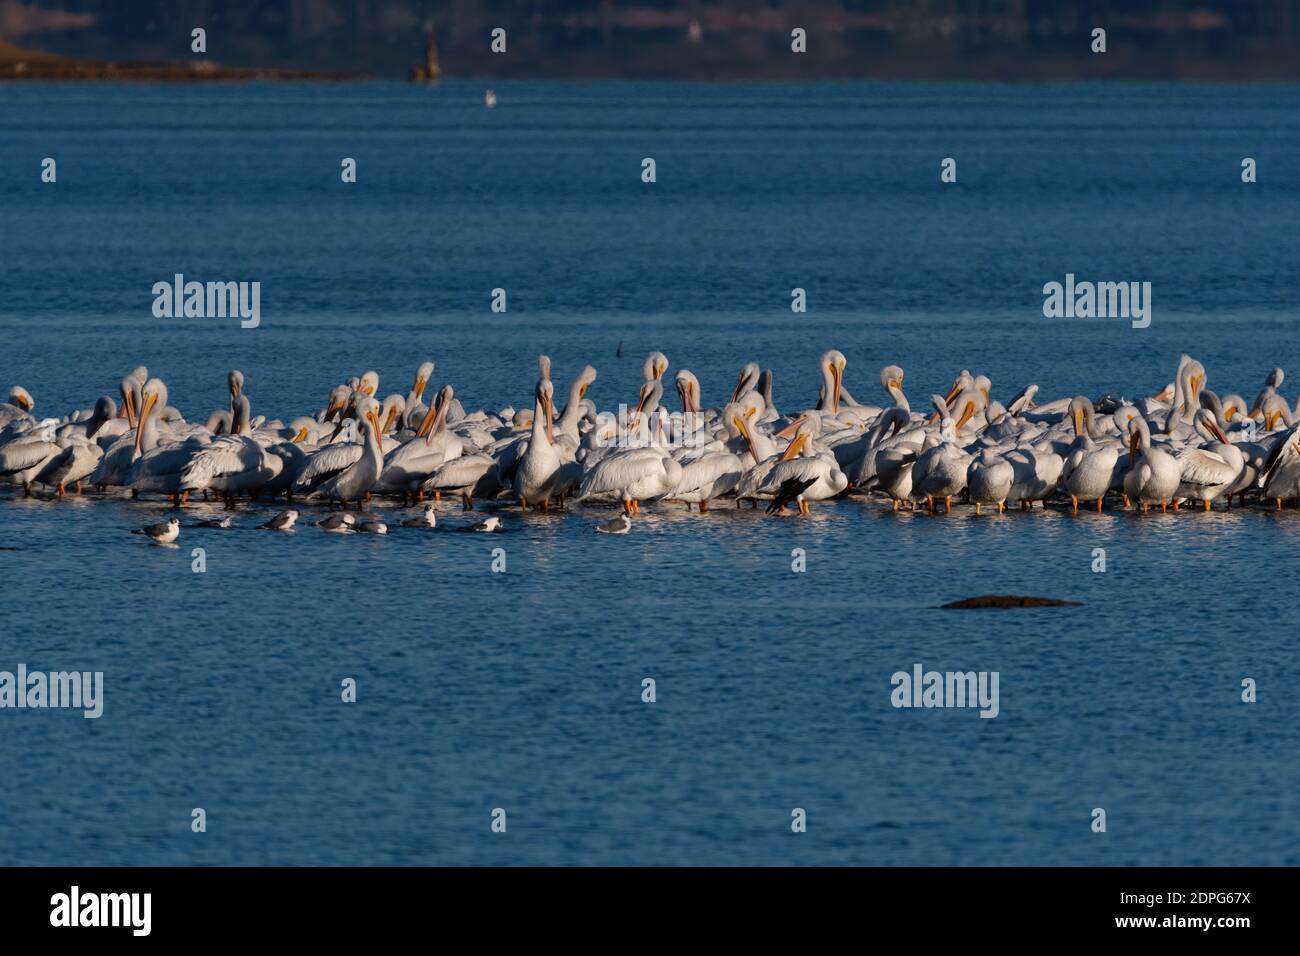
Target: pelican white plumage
1209,470
1153,474
354,482
1280,477
538,469
988,480
633,475
804,462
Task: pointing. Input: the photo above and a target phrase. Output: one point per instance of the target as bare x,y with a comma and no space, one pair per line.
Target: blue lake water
522,690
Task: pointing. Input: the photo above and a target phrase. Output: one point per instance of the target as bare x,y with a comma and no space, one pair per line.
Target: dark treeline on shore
688,39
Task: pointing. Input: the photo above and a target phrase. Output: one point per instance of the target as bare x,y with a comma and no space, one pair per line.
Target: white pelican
353,482
803,463
940,469
1153,475
633,474
407,466
1088,470
229,464
23,459
470,476
988,480
1280,477
710,476
1209,470
538,470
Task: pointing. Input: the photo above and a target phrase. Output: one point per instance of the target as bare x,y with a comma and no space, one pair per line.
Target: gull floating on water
164,532
620,525
281,522
427,518
337,523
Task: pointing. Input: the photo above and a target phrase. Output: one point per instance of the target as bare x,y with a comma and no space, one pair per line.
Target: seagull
620,525
225,522
163,533
337,523
371,526
425,519
281,522
488,525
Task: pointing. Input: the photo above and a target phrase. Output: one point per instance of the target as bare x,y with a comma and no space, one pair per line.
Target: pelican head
22,398
544,367
1207,426
545,403
368,415
1080,413
656,364
235,380
647,401
963,381
338,400
833,364
105,411
422,376
393,407
152,396
746,381
369,383
688,388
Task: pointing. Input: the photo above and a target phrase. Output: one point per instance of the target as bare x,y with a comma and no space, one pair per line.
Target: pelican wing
619,471
327,463
20,456
227,455
1202,468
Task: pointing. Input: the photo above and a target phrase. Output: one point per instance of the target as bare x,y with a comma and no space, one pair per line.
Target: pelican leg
437,496
1207,504
419,495
78,487
1145,506
1279,503
947,504
185,496
1164,508
1001,506
1127,502
930,500
1098,506
1074,504
977,507
627,507
546,505
60,489
523,503
704,507
1175,504
466,503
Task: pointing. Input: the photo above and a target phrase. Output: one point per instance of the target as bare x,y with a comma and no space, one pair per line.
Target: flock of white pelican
1185,445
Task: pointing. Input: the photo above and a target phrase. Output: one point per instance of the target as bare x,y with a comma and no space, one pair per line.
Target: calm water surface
522,690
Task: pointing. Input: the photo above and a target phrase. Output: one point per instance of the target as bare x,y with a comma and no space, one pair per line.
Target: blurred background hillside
699,39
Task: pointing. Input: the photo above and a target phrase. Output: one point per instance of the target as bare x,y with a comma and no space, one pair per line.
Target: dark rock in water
1010,600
